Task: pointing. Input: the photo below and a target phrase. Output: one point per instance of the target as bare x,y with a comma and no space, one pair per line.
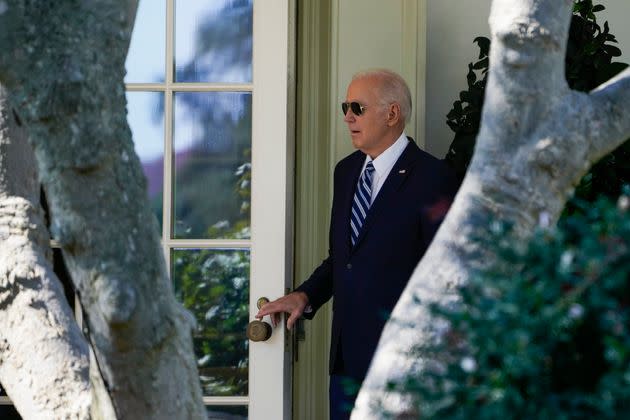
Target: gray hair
392,88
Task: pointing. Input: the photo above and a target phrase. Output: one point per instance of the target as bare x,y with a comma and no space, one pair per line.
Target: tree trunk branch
533,147
67,80
609,125
43,355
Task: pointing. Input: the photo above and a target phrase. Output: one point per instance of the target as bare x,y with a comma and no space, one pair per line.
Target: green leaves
464,118
484,46
543,334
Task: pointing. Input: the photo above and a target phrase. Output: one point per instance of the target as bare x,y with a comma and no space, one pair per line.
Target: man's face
368,130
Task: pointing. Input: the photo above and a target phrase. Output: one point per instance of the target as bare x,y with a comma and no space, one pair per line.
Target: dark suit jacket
365,281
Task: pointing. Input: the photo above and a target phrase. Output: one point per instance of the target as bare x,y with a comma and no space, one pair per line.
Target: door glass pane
146,56
8,412
212,147
213,41
146,120
59,267
238,412
214,286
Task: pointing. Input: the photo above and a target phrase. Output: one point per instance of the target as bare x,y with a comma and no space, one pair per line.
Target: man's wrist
307,307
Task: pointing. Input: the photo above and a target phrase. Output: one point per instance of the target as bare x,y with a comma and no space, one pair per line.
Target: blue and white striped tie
361,202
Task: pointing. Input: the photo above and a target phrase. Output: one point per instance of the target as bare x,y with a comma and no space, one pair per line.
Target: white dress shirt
384,163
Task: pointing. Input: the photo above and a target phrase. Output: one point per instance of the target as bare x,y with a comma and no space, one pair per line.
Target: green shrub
545,334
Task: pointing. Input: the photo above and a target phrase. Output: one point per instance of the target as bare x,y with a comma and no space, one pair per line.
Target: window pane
146,56
214,286
59,267
238,412
8,412
213,41
212,142
146,120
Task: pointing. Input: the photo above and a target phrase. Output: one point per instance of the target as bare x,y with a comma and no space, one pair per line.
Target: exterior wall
451,27
617,13
337,38
376,33
430,43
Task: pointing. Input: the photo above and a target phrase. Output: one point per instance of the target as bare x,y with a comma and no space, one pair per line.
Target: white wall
376,33
451,27
617,14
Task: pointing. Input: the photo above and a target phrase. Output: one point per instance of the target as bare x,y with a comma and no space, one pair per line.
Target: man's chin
356,141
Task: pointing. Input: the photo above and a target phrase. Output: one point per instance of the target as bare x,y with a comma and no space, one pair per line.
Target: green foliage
465,117
544,334
212,200
588,64
214,286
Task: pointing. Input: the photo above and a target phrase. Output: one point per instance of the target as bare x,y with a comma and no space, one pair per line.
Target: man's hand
293,304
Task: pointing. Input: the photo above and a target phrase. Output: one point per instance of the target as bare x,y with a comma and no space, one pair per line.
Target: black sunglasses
357,108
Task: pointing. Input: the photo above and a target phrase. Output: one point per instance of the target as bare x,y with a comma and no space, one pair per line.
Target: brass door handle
259,330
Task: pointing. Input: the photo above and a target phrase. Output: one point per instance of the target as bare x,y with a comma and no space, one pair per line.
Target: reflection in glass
214,286
212,170
237,412
146,120
146,57
213,41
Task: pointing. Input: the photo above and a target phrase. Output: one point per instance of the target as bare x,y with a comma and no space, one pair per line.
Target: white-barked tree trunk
43,355
537,139
62,64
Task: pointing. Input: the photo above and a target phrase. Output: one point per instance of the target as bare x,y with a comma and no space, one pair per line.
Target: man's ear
393,114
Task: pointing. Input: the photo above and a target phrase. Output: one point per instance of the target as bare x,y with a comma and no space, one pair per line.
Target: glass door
209,99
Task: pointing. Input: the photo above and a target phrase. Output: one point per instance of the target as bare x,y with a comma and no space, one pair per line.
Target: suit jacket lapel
400,171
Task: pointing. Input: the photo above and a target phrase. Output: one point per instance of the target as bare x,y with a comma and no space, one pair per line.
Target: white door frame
272,200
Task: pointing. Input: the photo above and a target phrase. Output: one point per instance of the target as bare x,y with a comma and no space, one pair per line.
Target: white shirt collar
385,161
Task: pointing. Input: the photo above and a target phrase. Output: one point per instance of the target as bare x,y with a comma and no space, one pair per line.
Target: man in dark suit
389,199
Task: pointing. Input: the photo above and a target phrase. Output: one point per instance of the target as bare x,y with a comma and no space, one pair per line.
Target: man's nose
349,117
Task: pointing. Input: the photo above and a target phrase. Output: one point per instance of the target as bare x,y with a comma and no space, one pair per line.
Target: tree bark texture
537,139
43,355
63,63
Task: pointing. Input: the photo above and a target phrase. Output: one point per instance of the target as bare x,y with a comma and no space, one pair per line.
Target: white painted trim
167,205
271,175
334,89
409,42
421,73
226,400
313,196
189,87
208,243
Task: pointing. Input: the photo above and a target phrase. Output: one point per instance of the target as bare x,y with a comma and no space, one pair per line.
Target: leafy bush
544,334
